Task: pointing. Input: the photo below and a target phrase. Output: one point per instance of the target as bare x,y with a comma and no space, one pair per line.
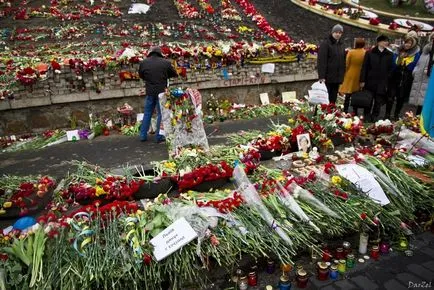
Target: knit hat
412,33
156,50
337,28
382,37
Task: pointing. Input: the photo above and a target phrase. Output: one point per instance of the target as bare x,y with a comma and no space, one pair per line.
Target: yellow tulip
336,180
7,204
99,191
2,211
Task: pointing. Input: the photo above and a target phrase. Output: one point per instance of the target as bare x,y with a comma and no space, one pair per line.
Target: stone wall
64,98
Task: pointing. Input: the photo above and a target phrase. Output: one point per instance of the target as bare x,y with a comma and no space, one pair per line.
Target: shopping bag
361,99
318,94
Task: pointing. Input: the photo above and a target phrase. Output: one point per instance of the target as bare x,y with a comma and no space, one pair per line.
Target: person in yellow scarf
405,60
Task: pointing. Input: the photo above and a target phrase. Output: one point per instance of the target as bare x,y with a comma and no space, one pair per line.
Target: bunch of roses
186,10
204,4
112,188
224,205
209,172
380,128
24,196
111,209
228,11
271,143
262,23
251,160
27,76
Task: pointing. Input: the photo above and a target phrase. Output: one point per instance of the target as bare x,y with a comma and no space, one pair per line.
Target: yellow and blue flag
427,116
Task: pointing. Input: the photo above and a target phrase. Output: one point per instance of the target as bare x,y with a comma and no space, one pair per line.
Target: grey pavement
113,152
394,271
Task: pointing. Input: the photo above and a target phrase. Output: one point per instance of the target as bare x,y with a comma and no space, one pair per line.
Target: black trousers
347,103
332,89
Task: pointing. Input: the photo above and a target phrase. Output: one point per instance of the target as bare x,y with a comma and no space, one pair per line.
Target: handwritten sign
365,180
264,98
172,238
268,68
288,97
72,135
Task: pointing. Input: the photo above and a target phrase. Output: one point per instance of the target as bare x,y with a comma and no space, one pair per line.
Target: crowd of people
371,77
368,78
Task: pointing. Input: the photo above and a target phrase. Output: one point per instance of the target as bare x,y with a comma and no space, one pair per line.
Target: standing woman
420,76
405,60
354,62
331,62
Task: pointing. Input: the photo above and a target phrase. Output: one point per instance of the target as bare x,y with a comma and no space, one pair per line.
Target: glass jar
268,287
253,279
363,243
323,271
351,261
342,266
302,278
284,283
403,244
340,253
243,283
271,266
326,255
286,268
384,247
375,252
334,272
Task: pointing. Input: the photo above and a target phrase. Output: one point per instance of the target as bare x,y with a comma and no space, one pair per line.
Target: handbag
361,99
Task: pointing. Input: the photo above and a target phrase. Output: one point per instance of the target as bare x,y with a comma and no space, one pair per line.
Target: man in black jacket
155,71
331,62
376,72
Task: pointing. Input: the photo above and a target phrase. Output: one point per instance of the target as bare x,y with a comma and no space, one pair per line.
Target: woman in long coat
405,61
354,62
420,81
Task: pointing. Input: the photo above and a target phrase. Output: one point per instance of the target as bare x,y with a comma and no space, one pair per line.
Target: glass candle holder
253,279
286,268
284,283
326,255
403,244
323,271
351,261
339,253
334,272
302,278
384,247
375,252
342,266
363,243
271,266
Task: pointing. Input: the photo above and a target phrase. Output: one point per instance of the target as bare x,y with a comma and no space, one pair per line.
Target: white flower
329,117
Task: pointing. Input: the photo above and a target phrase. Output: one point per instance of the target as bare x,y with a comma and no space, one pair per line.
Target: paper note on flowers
364,180
172,238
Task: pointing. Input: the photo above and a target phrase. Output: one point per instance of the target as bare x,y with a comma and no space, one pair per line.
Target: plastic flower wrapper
252,199
298,191
201,219
286,198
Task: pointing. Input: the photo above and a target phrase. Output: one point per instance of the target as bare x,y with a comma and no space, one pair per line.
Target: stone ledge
106,94
5,105
30,102
69,98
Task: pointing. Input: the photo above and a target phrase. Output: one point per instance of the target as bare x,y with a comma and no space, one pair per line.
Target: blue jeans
150,103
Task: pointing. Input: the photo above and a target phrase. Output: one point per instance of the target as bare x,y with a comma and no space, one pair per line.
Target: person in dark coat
405,61
155,71
376,72
331,62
